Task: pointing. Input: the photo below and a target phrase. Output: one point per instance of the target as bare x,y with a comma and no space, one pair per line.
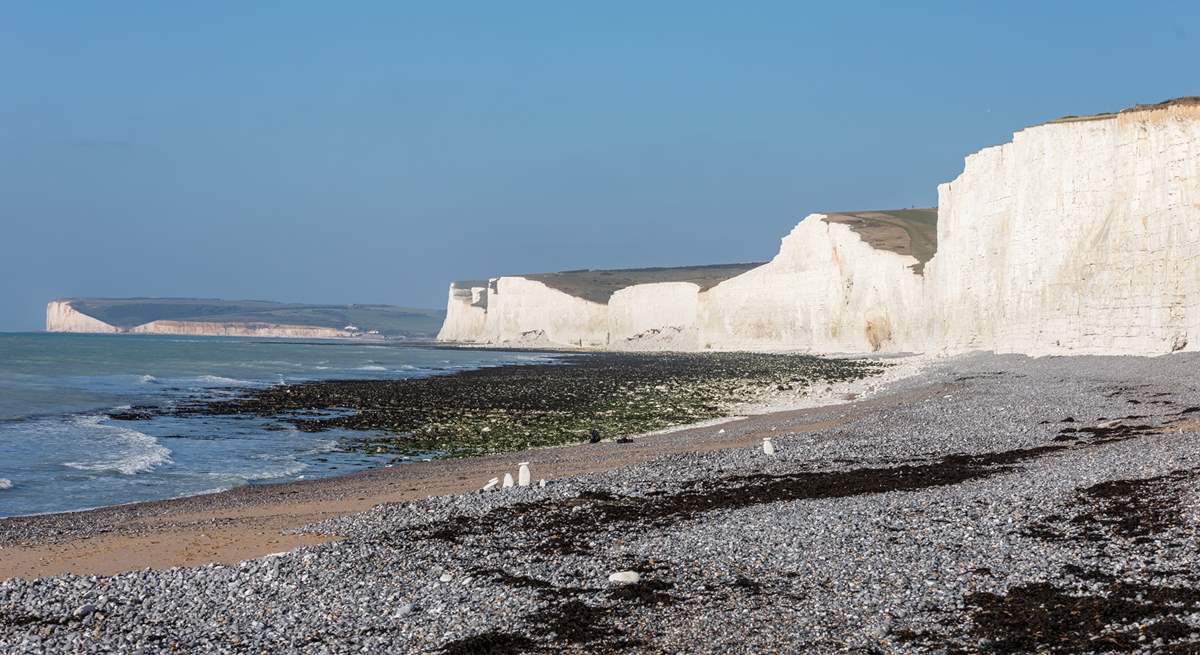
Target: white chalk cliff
1079,236
61,316
229,329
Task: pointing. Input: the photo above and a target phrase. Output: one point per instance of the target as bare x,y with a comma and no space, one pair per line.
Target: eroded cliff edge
1079,236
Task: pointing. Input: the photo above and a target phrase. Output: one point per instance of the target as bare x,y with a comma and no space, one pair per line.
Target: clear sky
372,152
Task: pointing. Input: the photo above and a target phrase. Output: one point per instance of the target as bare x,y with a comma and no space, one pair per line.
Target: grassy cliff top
910,232
1173,102
387,319
599,286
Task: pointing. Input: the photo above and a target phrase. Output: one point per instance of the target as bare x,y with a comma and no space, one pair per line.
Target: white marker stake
523,474
507,480
491,484
768,446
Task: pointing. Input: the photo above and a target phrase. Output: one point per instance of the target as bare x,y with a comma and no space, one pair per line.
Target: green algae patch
509,408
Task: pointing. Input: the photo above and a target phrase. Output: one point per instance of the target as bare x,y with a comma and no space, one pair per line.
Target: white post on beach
507,480
768,446
523,474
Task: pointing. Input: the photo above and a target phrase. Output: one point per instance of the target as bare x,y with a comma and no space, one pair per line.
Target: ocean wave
286,471
371,367
219,379
203,492
283,468
148,379
279,362
322,447
132,452
5,484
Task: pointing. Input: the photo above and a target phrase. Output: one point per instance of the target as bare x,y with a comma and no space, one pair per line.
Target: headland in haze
239,318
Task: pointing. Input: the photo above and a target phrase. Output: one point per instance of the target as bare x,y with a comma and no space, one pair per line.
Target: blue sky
372,152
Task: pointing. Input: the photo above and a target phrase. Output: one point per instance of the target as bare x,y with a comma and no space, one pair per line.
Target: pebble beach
997,504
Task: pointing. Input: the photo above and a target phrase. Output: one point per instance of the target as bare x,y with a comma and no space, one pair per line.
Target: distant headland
239,318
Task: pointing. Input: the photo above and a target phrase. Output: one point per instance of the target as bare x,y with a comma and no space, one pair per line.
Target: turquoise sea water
60,451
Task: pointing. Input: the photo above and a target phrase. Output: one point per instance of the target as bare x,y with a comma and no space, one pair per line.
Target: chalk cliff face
1076,237
826,291
466,312
520,310
655,316
215,329
1079,236
62,317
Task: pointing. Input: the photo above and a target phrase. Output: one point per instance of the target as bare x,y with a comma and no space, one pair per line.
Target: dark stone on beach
595,436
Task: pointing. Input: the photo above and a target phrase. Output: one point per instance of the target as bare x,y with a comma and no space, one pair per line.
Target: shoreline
261,519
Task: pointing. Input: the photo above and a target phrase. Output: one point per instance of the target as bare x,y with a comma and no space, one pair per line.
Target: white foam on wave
276,362
220,379
372,367
129,452
284,468
288,469
148,379
322,447
272,467
202,492
5,484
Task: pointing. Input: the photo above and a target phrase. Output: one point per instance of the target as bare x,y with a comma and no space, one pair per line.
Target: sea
60,451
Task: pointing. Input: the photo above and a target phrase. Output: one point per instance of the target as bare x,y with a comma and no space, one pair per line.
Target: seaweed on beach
1138,510
1089,609
645,592
508,408
541,587
1042,617
566,527
491,642
1123,617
